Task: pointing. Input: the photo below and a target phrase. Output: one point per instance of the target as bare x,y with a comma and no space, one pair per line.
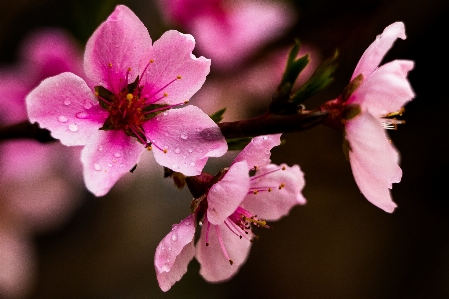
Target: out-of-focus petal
286,187
119,45
386,90
374,160
226,195
373,55
257,152
174,253
215,266
175,74
183,139
66,106
107,157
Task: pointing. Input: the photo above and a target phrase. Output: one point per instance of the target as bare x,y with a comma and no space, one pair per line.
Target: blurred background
336,246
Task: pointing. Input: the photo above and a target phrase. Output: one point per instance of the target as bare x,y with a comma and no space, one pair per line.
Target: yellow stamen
129,97
178,77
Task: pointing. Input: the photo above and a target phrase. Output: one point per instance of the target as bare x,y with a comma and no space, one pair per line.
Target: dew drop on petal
87,104
175,166
97,167
177,150
165,113
174,237
62,119
184,135
169,248
265,137
190,150
67,102
165,268
122,165
192,164
82,115
73,127
117,155
110,165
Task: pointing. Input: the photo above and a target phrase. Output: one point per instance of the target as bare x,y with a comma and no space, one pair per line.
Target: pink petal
225,196
172,55
257,152
230,38
14,89
279,201
374,160
188,137
174,253
215,265
123,41
17,265
108,156
373,55
67,107
50,52
386,90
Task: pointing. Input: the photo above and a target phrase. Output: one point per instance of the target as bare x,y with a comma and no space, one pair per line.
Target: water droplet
97,167
165,113
114,161
190,150
63,119
169,248
175,166
87,104
200,223
174,237
177,150
165,268
184,135
82,115
121,165
265,137
110,165
73,127
67,102
117,155
192,164
100,148
187,223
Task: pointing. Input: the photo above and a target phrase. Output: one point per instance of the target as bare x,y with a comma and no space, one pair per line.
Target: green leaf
218,116
237,144
321,79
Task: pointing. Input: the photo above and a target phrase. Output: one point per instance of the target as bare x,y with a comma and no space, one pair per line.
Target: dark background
336,246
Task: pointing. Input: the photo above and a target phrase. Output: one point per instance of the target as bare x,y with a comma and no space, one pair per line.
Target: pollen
129,97
149,148
231,262
178,77
165,151
283,168
255,192
186,101
151,60
110,65
269,189
129,69
282,185
165,94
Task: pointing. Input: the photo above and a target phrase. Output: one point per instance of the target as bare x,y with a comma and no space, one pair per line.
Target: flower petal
225,196
120,43
386,90
286,185
373,55
184,138
215,266
174,253
374,160
66,106
108,156
176,74
257,152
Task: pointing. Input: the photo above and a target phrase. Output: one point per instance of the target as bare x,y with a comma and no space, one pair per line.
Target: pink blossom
228,209
36,190
223,29
124,105
381,95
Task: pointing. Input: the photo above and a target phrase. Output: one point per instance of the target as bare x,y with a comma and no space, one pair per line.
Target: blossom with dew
227,206
37,193
370,104
222,29
124,106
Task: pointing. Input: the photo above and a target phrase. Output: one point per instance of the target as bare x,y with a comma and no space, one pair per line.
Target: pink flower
232,204
223,29
381,94
123,107
37,193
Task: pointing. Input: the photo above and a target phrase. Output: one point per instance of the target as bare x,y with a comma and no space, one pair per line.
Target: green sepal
132,86
237,144
321,79
218,116
351,87
107,125
351,111
106,95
